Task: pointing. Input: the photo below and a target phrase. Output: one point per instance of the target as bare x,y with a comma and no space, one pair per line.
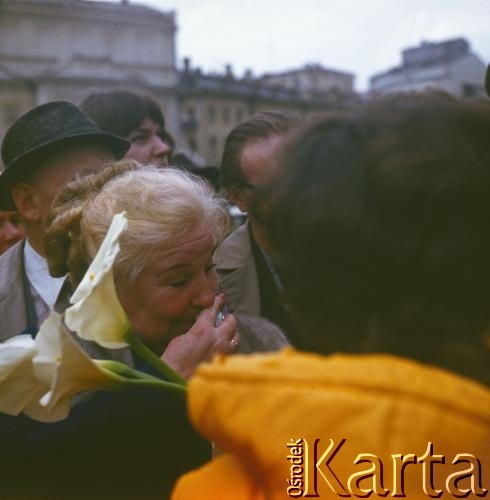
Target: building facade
211,105
449,66
63,49
313,80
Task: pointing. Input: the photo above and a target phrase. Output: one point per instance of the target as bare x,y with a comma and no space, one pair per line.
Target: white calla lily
60,364
96,313
19,387
41,377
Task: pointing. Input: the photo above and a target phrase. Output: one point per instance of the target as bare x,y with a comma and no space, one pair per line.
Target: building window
11,111
226,115
211,114
213,148
470,90
193,144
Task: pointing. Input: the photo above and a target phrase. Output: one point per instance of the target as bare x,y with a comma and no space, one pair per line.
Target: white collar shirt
36,267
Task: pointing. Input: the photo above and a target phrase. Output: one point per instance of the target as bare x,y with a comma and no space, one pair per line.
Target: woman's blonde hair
161,205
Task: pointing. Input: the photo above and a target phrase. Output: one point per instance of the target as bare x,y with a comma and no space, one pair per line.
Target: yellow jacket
370,413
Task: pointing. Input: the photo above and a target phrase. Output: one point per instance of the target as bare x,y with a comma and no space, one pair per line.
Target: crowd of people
364,260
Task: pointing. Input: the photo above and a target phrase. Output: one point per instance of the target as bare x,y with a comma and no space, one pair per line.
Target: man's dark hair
380,223
122,111
260,126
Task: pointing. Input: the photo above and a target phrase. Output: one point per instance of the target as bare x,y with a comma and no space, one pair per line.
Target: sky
363,37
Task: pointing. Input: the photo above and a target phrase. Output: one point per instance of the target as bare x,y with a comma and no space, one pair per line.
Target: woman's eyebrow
174,267
184,265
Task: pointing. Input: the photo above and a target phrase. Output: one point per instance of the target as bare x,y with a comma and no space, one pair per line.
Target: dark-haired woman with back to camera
379,221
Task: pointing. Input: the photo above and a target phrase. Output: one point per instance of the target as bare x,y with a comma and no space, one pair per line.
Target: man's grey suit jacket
13,309
13,313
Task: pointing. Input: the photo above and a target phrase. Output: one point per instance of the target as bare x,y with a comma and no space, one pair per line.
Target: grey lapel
13,319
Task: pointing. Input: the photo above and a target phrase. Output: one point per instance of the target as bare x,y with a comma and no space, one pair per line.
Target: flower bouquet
40,377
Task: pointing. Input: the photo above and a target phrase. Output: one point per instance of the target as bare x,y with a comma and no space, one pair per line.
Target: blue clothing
126,444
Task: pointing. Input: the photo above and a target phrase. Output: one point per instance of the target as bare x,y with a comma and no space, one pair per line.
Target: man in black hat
41,151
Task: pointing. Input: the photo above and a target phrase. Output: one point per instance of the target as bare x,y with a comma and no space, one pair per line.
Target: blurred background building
212,104
449,65
63,49
313,81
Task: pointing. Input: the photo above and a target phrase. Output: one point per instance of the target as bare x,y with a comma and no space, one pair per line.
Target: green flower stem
159,384
139,348
129,377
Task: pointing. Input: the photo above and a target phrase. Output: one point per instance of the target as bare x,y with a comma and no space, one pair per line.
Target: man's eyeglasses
246,185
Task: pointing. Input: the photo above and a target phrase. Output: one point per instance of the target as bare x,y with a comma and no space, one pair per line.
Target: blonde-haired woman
132,443
164,275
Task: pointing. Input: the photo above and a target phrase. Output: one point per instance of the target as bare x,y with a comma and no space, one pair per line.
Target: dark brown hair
260,126
380,221
121,112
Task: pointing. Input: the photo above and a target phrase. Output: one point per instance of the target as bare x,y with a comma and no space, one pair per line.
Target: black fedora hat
42,131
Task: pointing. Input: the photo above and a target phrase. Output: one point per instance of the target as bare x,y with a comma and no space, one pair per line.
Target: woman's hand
202,341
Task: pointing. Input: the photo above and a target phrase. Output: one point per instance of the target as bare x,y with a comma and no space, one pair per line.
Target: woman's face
176,284
147,144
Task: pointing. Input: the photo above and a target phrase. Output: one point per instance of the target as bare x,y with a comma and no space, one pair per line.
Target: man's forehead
80,153
77,159
259,157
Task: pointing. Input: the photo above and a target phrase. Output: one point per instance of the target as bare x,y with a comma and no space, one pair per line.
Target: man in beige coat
244,267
